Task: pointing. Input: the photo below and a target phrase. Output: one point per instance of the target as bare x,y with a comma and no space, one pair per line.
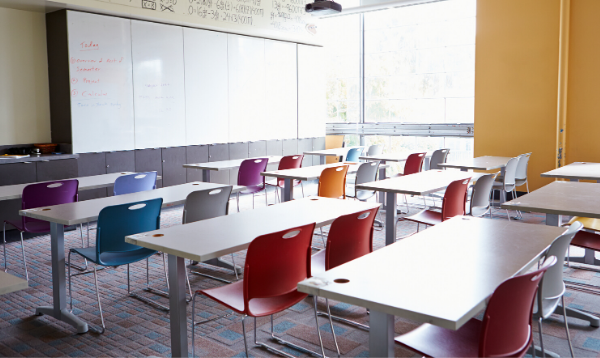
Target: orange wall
516,81
583,106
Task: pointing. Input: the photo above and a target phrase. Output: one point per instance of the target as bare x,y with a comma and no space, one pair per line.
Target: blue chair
134,183
114,223
353,154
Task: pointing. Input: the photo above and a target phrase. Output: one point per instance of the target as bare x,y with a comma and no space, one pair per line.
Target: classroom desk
422,183
334,152
9,192
479,163
303,174
227,234
224,165
10,283
86,211
576,171
467,258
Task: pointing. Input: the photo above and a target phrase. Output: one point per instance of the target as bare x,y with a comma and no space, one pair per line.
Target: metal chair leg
98,297
165,270
337,348
238,201
147,289
541,338
4,248
318,331
302,186
234,268
244,332
567,326
24,261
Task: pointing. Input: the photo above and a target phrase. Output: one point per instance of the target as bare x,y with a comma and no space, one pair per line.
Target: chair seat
114,258
587,240
232,296
428,217
317,263
32,226
588,223
549,306
252,189
434,341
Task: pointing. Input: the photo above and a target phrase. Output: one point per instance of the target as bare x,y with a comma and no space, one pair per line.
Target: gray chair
208,204
438,157
551,293
480,203
375,149
508,183
366,173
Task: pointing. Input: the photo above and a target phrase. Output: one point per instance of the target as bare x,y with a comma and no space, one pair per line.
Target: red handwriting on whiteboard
88,45
87,69
79,60
93,94
88,80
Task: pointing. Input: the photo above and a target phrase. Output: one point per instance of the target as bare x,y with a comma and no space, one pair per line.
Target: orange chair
275,263
332,182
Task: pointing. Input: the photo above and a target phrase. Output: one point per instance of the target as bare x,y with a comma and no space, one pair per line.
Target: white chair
366,173
480,203
521,174
375,149
438,157
551,292
508,183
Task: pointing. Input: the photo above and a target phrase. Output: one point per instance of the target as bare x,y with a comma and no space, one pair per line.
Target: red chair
288,162
506,329
275,263
413,164
350,237
453,204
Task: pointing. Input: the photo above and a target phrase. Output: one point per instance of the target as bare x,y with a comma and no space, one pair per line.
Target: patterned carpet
137,329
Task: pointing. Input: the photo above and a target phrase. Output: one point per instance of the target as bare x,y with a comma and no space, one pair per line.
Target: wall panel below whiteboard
311,92
158,83
206,87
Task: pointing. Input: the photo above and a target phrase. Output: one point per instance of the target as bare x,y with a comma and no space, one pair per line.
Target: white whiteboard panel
158,83
100,78
311,92
246,88
281,91
206,84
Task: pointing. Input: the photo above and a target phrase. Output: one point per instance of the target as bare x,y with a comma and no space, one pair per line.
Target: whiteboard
206,84
100,83
158,84
281,91
311,92
246,88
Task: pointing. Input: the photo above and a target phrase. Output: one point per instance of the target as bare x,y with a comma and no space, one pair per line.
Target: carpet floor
134,328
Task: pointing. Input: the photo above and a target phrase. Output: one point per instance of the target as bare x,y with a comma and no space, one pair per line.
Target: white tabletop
308,173
333,152
208,239
422,183
10,283
393,157
576,171
479,163
560,198
9,192
228,164
86,211
467,258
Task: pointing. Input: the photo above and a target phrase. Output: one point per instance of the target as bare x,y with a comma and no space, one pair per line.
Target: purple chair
39,195
249,176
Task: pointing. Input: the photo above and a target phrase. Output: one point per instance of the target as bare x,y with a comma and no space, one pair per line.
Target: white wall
24,96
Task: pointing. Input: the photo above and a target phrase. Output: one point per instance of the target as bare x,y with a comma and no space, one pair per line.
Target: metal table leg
322,159
288,189
390,218
178,316
59,284
206,175
224,264
381,334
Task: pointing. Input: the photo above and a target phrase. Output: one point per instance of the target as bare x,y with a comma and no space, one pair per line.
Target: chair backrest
367,172
350,237
509,174
332,182
47,194
438,157
455,199
552,286
414,163
521,173
375,149
206,204
289,162
116,222
506,329
353,154
250,169
482,190
276,262
134,183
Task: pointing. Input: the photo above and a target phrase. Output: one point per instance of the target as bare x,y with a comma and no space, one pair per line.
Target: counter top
38,158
